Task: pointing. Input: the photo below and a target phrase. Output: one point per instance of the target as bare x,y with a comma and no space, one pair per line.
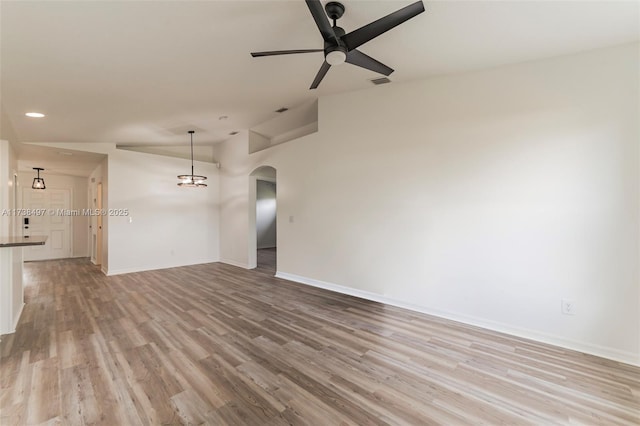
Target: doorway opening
263,220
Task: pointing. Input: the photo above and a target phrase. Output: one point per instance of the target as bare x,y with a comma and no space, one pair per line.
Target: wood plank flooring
215,344
266,260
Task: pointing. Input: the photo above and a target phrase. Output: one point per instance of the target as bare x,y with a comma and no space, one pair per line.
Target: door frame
99,224
16,225
252,243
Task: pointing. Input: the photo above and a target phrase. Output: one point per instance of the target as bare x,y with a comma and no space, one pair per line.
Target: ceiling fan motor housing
334,9
340,47
335,54
339,32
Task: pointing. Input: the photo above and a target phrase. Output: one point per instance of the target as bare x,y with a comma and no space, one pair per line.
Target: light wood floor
215,344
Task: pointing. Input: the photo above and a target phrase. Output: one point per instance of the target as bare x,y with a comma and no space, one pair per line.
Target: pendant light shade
192,180
38,182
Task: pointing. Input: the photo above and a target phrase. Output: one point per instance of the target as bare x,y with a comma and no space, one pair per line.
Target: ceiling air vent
283,109
233,133
381,80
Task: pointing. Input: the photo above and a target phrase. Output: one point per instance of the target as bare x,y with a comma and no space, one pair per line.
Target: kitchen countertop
22,241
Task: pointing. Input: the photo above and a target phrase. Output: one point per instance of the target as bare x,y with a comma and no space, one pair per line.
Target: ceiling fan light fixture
192,180
336,57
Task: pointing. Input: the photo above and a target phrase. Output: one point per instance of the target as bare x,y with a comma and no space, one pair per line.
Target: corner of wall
105,222
7,131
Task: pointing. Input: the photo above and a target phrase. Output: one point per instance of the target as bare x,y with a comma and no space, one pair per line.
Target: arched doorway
262,219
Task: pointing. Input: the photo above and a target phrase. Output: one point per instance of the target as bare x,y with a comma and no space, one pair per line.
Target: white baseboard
234,263
556,340
112,272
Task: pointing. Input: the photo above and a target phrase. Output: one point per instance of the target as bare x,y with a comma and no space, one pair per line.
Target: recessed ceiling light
34,114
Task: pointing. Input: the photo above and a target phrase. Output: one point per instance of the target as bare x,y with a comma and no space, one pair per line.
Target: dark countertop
22,241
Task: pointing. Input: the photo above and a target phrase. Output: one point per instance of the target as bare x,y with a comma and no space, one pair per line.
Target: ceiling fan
340,47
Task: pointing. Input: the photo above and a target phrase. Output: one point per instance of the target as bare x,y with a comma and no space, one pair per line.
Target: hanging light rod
192,180
38,182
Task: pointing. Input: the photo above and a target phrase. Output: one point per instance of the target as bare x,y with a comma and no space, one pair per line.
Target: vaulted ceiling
144,72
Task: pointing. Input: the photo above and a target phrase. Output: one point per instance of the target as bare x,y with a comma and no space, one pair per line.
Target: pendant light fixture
192,180
38,182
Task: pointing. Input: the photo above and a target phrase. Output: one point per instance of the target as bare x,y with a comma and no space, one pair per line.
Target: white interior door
53,223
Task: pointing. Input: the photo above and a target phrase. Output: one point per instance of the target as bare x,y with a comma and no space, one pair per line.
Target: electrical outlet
568,307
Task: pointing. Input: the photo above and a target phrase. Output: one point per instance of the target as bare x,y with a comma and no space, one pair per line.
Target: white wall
6,157
78,188
167,225
486,197
4,186
8,168
234,203
266,214
11,292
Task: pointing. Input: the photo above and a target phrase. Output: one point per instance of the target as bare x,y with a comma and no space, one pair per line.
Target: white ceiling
144,72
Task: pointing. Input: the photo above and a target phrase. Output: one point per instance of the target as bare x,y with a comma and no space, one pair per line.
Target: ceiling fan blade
370,31
284,52
321,73
317,11
356,57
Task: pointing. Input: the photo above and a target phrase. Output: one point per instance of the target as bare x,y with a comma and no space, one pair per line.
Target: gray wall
266,214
